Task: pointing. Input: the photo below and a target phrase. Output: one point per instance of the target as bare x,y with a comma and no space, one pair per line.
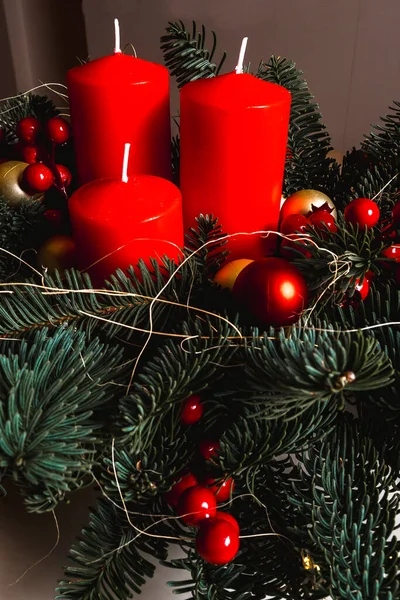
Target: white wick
117,48
125,163
239,66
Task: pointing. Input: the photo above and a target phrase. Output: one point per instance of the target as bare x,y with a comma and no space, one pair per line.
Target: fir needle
239,66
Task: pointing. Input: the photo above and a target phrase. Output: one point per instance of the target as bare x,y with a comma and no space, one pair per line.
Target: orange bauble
58,252
227,275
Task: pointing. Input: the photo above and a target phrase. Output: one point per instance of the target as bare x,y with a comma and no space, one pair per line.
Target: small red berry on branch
362,212
57,130
38,178
209,448
187,481
322,217
65,175
31,153
28,129
221,488
217,541
196,504
192,410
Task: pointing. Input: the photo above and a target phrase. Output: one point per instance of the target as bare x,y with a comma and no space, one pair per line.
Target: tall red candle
117,99
234,132
117,222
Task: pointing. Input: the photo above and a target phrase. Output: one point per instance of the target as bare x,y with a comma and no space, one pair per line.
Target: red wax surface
115,100
110,218
234,132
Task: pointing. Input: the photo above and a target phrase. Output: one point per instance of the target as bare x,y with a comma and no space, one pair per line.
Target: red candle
234,132
118,99
117,222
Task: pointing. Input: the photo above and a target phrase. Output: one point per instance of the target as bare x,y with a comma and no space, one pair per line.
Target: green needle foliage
92,385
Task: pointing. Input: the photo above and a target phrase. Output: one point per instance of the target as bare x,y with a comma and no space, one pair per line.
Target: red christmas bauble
65,175
192,410
30,153
28,129
217,541
222,489
208,448
187,481
57,130
362,212
294,223
273,290
322,217
392,252
224,516
38,178
362,288
197,503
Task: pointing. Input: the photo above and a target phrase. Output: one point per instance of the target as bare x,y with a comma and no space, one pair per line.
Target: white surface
349,50
25,539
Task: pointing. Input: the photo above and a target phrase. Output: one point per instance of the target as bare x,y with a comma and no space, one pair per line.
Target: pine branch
384,142
108,558
24,105
185,54
307,164
51,397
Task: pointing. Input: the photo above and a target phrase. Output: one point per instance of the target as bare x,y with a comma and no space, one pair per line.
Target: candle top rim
118,65
236,89
140,197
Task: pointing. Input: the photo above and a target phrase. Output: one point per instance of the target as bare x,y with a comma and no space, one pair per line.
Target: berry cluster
33,148
217,538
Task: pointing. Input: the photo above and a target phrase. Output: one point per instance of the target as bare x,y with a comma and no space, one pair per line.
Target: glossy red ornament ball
208,448
222,489
362,212
30,153
28,129
65,174
362,288
392,252
217,541
294,223
224,516
322,217
197,503
38,178
273,290
187,481
192,410
57,130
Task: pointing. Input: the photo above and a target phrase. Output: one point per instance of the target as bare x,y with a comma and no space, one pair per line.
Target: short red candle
142,217
114,100
234,132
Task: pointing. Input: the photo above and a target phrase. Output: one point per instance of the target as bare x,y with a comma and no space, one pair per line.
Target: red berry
53,216
197,503
322,217
369,275
362,212
208,448
192,410
362,288
293,224
57,130
65,175
30,153
392,252
28,129
38,178
229,518
187,481
222,489
217,541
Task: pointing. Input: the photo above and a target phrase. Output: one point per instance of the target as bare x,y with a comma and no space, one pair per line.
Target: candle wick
239,66
117,48
125,163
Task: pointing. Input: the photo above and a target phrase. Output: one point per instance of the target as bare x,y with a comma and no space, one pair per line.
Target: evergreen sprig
21,106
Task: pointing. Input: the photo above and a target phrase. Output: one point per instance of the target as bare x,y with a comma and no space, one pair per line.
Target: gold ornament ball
11,176
227,275
57,252
302,202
